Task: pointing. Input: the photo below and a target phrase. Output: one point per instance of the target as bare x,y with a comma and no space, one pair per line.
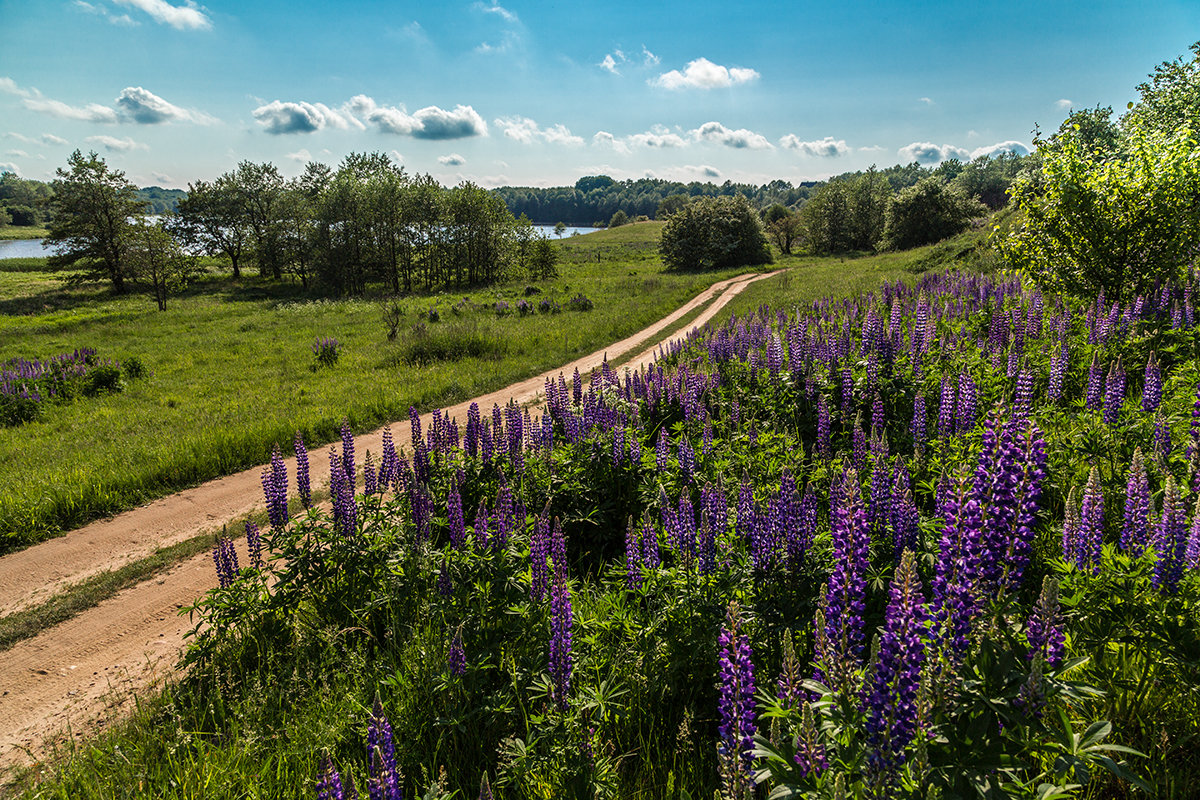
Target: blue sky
531,92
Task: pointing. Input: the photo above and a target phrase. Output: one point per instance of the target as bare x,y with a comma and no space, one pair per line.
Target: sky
540,93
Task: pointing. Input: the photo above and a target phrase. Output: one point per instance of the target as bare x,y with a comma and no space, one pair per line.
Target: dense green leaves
713,233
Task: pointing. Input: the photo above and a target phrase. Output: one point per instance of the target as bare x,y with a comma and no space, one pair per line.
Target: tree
559,228
1171,99
618,219
785,232
260,187
714,233
214,216
926,213
827,218
671,204
1093,221
157,262
542,263
93,213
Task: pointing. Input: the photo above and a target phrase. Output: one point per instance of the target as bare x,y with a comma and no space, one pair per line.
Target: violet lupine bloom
879,504
383,775
1031,454
454,519
650,556
919,432
735,706
661,453
946,409
348,452
847,394
1162,436
877,421
1058,370
810,757
1193,543
1114,393
370,477
890,704
539,552
329,785
226,560
1152,388
957,571
905,519
1044,628
967,396
1095,384
561,620
254,544
274,482
847,584
859,444
1170,540
1091,524
389,463
823,426
471,438
345,508
687,460
633,558
485,789
1135,532
456,657
1070,534
302,480
481,525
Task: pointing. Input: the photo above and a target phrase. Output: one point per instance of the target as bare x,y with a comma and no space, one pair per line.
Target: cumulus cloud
113,144
926,100
144,107
278,117
92,112
824,148
1064,103
161,177
8,166
657,136
188,17
526,131
606,139
687,172
301,156
430,122
610,64
1017,148
741,139
927,153
452,160
17,153
873,148
50,138
9,86
704,74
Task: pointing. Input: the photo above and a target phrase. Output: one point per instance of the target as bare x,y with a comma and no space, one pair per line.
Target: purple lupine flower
1031,697
454,519
735,706
890,704
661,453
329,785
1114,392
1193,544
383,774
1070,534
481,525
1095,384
485,788
1031,457
1091,524
905,519
370,477
274,483
1152,388
1023,395
687,459
348,452
1135,532
561,620
823,426
1044,628
956,580
946,409
1170,540
847,394
879,502
859,444
877,421
225,558
919,433
1162,436
456,657
847,584
345,509
650,556
389,463
254,544
967,396
633,558
811,758
1058,370
302,480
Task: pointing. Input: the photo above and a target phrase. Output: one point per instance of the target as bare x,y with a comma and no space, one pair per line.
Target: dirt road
83,672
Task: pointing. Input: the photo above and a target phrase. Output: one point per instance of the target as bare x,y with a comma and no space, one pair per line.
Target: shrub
926,213
327,351
18,409
433,315
548,306
105,379
134,368
714,233
580,302
524,308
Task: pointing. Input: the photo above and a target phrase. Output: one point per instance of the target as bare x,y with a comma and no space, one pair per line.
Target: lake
32,248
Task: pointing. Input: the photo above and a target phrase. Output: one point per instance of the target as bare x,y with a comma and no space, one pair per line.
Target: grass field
20,232
231,370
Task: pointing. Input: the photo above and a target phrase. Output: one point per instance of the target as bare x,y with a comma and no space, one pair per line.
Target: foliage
28,386
157,262
92,214
928,212
714,233
1170,101
327,350
23,202
1118,224
618,219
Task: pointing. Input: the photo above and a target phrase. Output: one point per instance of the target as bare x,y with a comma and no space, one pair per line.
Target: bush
134,368
105,379
17,410
714,233
926,213
524,308
618,219
580,303
548,306
327,351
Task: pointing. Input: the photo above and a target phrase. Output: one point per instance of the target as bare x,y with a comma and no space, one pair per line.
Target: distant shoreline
12,232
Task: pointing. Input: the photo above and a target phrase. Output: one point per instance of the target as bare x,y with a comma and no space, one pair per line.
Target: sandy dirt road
83,673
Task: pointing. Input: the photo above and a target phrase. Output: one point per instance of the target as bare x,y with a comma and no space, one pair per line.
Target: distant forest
24,202
594,199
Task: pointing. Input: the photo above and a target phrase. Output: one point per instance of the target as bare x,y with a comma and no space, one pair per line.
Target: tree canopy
714,233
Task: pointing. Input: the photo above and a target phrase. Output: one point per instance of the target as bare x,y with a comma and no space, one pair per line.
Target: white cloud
17,153
741,139
452,160
526,131
301,156
648,58
1018,148
20,137
609,63
279,117
103,12
1064,103
430,122
606,139
415,32
8,166
704,74
186,17
161,177
9,86
687,172
144,107
657,136
825,148
114,144
50,138
873,148
928,153
92,112
927,101
498,10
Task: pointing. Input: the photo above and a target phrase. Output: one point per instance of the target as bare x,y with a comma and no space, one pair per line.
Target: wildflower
1171,540
1044,628
456,658
1152,388
735,706
254,544
302,478
561,620
1135,532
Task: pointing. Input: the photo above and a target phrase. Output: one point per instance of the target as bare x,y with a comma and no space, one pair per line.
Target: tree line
366,223
25,202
